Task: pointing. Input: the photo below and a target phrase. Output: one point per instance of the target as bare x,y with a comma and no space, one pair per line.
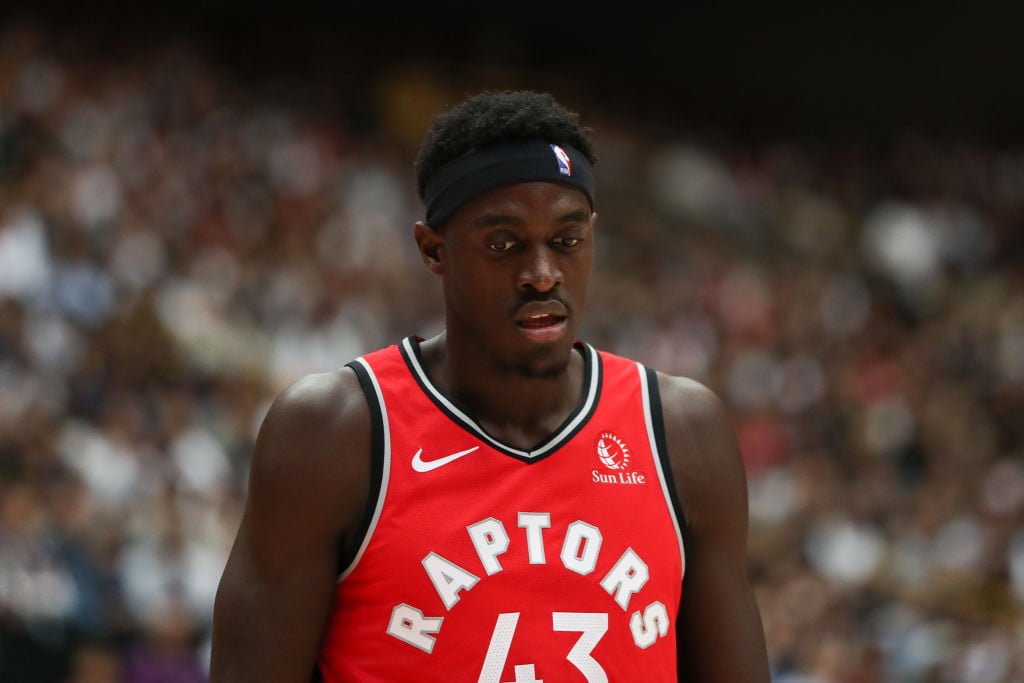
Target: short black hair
498,116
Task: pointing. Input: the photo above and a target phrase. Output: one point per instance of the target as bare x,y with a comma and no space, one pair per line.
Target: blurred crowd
177,245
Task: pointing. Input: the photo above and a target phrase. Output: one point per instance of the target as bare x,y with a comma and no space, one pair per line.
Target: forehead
539,200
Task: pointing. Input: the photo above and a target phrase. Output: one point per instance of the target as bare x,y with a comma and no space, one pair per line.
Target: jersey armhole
379,457
656,427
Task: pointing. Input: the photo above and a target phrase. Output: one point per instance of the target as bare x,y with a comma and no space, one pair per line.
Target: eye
568,242
501,245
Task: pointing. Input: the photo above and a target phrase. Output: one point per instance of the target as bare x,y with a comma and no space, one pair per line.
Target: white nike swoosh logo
421,465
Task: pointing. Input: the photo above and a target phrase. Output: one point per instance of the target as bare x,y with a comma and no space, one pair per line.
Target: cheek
471,288
578,276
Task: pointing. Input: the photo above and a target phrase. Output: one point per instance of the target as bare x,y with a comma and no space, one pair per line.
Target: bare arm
719,629
307,487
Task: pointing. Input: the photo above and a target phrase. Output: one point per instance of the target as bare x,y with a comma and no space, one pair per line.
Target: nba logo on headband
564,164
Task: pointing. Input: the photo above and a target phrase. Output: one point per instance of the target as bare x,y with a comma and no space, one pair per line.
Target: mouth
542,326
541,320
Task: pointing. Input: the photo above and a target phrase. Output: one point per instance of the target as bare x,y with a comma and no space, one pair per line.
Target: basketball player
501,502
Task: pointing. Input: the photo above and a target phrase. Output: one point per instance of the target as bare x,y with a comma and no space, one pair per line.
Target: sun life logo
612,451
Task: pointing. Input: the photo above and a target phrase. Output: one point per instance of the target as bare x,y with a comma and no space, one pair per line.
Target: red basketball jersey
483,562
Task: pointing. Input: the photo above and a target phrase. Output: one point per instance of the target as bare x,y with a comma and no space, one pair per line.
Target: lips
541,320
540,314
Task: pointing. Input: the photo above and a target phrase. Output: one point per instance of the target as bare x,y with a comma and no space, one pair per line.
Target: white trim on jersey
382,494
649,420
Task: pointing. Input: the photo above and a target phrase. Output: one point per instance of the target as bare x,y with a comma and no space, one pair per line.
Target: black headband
486,168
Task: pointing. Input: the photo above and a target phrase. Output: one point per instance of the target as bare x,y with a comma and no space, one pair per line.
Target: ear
431,247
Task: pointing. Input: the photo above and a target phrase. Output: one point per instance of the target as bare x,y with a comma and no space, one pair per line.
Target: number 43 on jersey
590,625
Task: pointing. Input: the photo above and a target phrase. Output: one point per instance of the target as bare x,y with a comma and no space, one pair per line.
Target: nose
540,270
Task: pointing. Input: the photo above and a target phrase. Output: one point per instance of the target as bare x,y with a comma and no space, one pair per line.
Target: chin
550,363
553,371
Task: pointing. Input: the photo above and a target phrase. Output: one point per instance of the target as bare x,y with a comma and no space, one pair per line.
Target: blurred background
818,212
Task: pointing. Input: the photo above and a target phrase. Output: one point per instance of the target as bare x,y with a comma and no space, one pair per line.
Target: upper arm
308,484
719,630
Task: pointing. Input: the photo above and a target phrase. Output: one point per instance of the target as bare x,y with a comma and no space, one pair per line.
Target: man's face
516,264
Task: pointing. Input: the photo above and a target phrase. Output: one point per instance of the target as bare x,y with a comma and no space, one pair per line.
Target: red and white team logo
612,451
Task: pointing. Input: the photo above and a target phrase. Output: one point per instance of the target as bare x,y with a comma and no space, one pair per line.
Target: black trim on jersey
347,553
590,396
658,424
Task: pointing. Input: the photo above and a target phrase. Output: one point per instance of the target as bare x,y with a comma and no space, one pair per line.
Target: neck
513,404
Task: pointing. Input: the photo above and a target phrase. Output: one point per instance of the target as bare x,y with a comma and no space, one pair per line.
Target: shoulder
702,448
314,444
690,403
329,398
316,409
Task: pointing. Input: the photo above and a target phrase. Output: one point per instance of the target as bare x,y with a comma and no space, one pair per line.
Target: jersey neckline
591,391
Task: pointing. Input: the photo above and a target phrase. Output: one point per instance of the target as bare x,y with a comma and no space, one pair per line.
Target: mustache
533,296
